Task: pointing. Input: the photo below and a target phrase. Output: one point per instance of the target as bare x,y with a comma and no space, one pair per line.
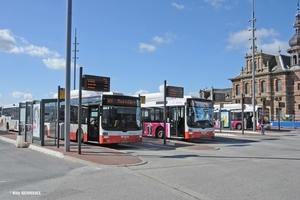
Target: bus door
93,123
176,121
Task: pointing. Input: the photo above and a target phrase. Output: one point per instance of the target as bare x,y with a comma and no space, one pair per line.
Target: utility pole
253,29
75,43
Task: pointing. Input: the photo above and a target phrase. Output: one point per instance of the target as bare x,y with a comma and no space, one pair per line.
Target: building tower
294,42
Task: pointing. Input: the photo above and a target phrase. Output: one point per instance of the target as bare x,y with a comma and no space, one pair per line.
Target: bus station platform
90,153
113,155
102,154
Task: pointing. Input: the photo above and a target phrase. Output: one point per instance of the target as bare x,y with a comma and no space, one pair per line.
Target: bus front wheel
239,126
160,133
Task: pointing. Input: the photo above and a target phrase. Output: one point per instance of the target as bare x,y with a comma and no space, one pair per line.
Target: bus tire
160,133
239,126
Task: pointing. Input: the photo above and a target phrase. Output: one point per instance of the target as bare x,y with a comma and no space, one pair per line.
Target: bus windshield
265,113
120,117
199,114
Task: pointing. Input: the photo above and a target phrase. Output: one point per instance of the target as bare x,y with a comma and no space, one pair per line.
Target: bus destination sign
96,83
119,101
172,91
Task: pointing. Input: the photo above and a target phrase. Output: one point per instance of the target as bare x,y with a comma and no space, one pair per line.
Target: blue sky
195,44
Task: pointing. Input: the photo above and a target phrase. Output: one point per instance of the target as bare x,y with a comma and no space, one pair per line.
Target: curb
46,151
225,134
7,140
35,148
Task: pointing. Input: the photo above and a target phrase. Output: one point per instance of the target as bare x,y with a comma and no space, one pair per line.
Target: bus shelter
223,119
38,120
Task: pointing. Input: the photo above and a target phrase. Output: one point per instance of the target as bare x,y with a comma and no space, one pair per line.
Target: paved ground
106,155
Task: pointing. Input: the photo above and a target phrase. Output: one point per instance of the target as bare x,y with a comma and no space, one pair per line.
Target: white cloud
161,88
179,7
40,51
7,41
265,41
50,95
18,95
158,40
221,3
55,63
194,94
9,44
0,95
141,92
215,3
146,47
168,38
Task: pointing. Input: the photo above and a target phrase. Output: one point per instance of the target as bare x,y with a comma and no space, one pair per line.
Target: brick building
277,79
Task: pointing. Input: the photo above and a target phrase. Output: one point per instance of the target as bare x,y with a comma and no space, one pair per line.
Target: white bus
9,119
187,118
236,116
107,117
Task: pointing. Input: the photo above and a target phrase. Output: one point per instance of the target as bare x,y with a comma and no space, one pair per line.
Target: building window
278,85
247,88
298,86
263,86
294,60
255,88
237,90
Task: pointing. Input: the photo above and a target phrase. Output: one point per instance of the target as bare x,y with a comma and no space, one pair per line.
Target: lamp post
253,29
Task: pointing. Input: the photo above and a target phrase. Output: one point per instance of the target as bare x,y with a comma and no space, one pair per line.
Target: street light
253,29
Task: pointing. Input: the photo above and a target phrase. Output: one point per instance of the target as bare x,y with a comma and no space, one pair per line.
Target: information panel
219,97
247,100
96,83
172,91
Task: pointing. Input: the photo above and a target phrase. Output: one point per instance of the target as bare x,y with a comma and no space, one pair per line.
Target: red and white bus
107,117
235,118
187,118
9,119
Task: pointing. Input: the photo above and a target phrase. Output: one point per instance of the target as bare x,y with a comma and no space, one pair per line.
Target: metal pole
165,114
220,118
79,111
68,74
253,67
278,114
58,114
243,122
